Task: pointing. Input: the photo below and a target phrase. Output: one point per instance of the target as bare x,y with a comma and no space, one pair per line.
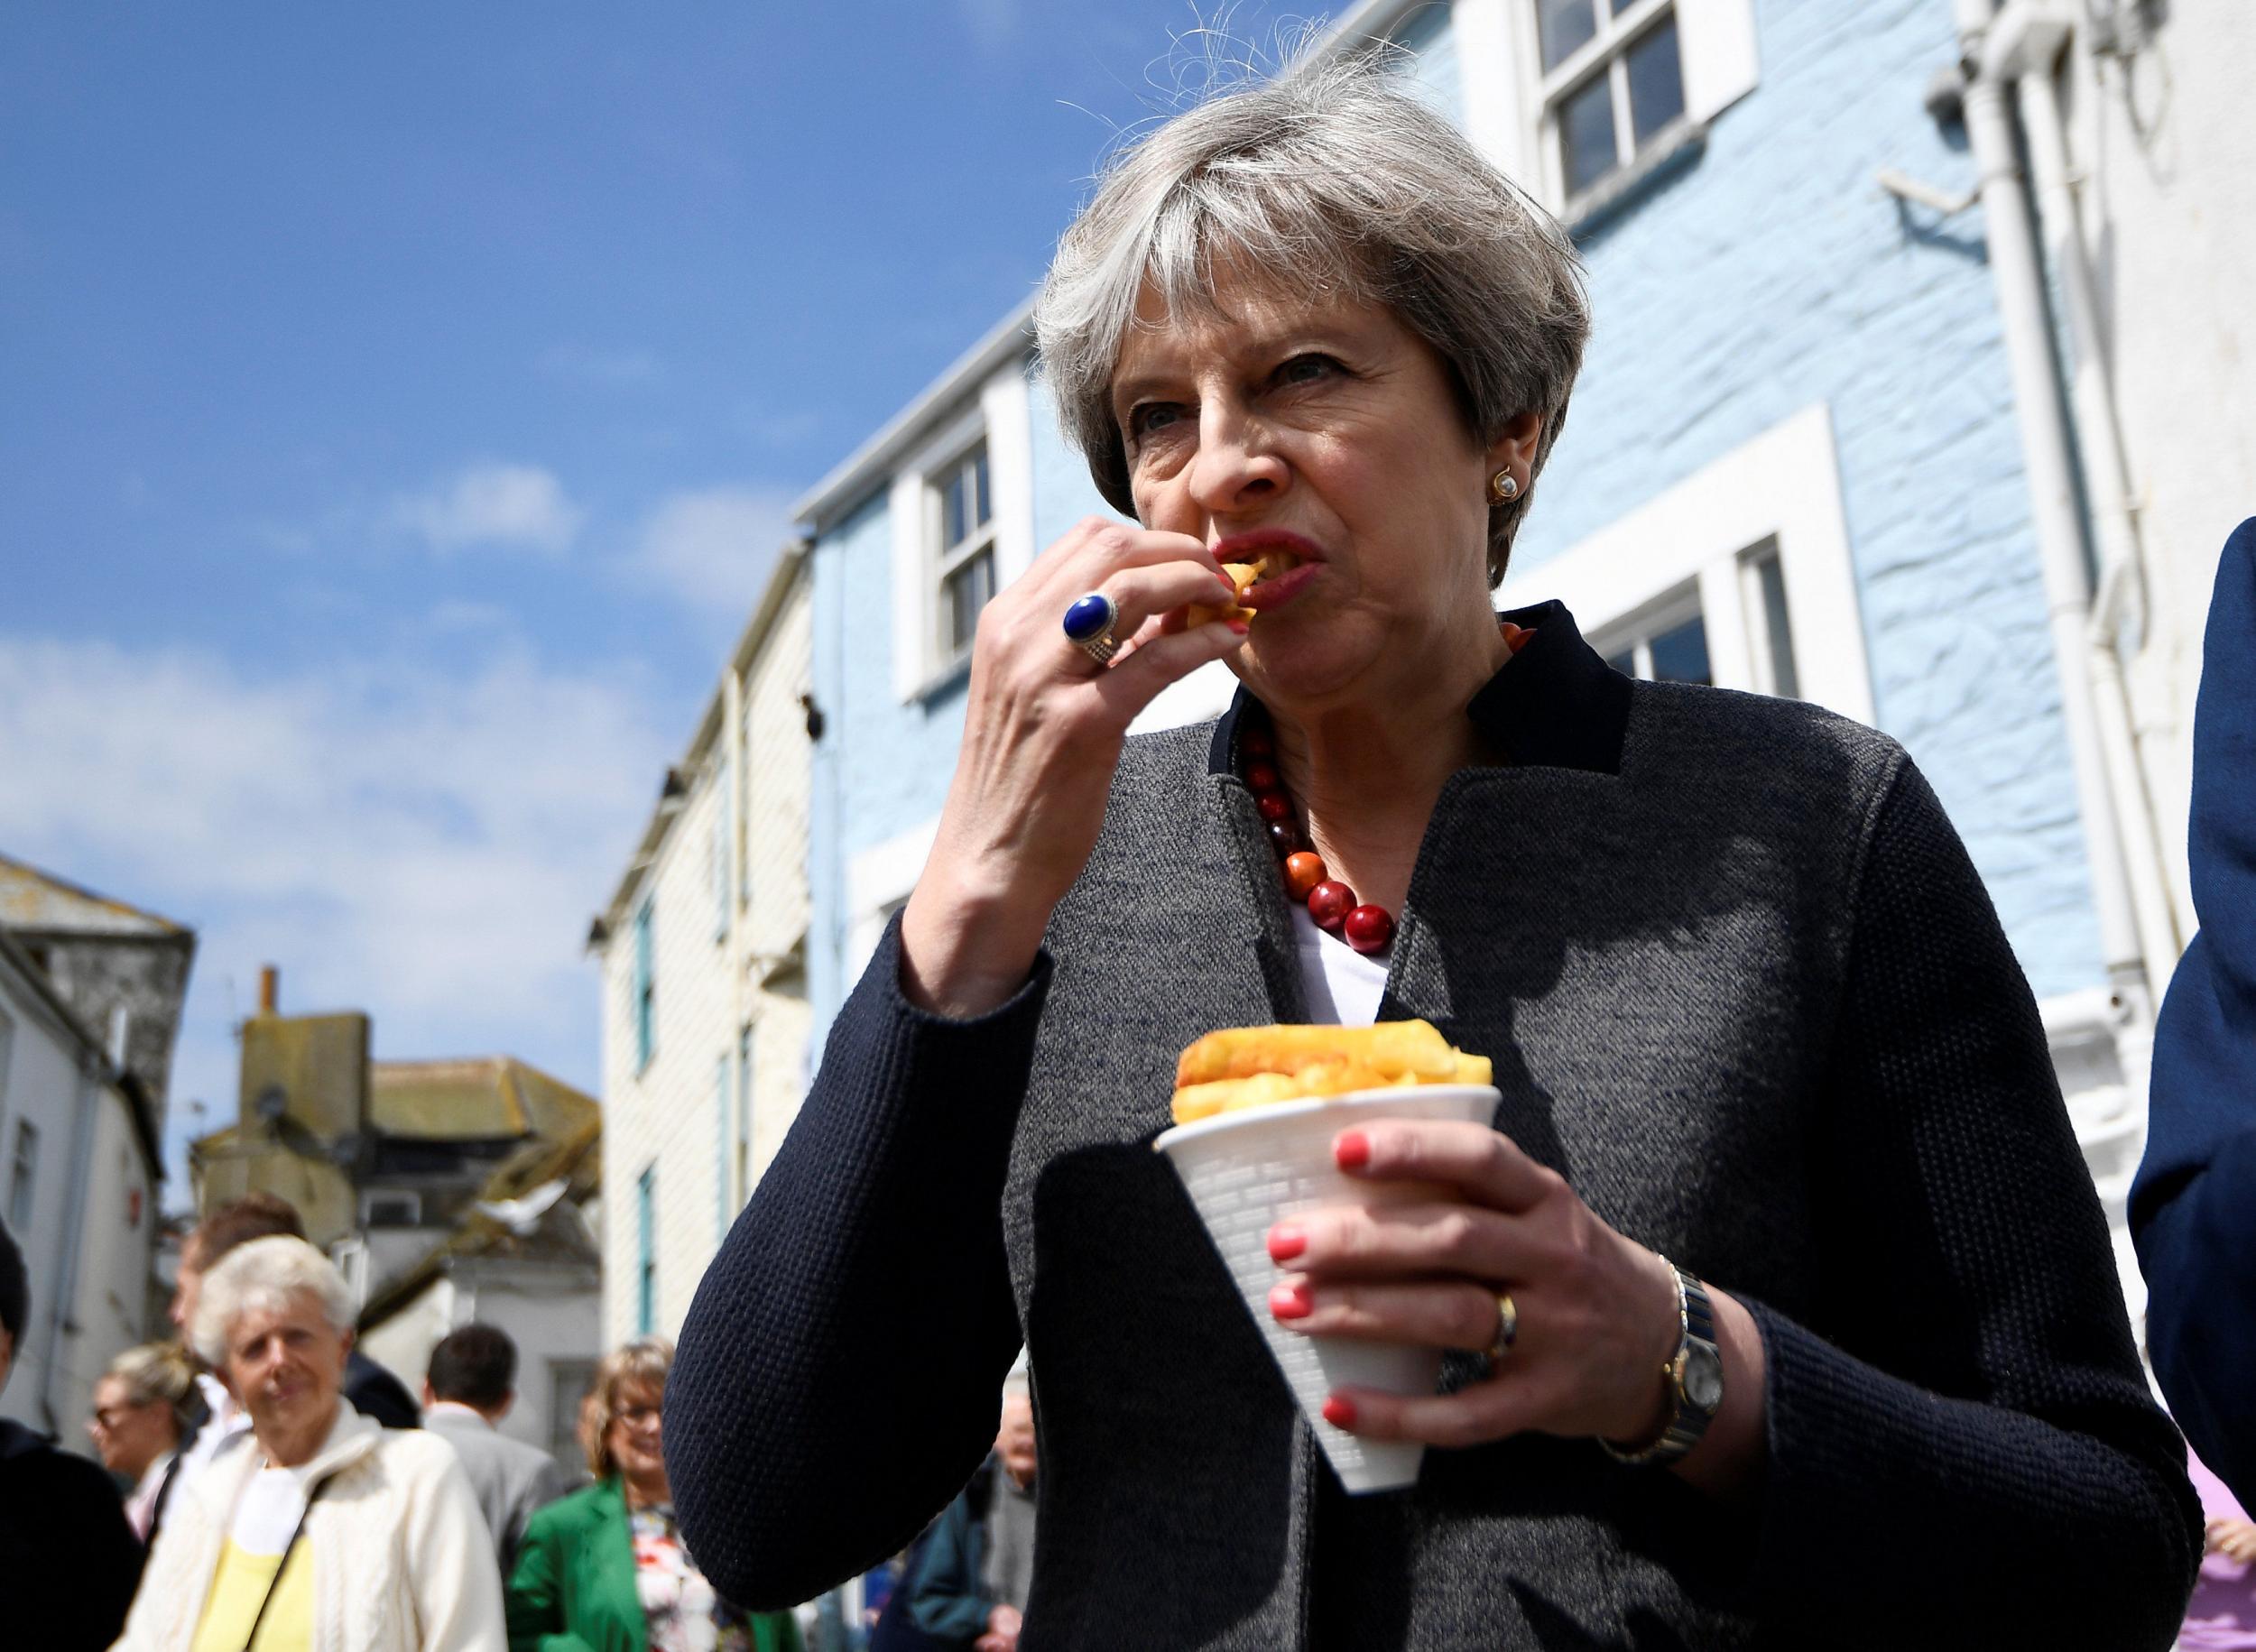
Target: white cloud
426,847
494,504
710,549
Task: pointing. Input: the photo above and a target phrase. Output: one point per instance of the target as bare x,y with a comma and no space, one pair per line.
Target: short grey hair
266,1273
1334,181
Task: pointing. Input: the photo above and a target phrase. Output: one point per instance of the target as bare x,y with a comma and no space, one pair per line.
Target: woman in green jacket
604,1570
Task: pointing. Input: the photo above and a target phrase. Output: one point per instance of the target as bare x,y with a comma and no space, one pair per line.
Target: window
723,1159
963,566
646,1251
959,520
1670,644
1613,86
644,1004
743,1116
391,1209
1738,575
1671,647
1762,579
23,1176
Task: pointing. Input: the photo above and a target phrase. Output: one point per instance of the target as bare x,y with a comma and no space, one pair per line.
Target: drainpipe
2025,45
2039,406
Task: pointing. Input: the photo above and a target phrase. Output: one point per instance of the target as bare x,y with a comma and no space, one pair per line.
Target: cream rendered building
703,956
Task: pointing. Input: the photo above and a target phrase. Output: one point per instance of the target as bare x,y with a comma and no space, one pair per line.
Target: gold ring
1507,1326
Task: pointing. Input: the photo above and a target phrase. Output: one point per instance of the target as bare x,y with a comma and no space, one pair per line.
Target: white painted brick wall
707,991
779,766
663,1116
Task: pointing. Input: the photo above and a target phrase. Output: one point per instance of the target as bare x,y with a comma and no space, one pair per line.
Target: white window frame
1635,632
1605,56
1000,415
1500,67
1782,487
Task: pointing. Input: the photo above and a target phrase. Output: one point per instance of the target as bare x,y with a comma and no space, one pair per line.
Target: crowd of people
268,1488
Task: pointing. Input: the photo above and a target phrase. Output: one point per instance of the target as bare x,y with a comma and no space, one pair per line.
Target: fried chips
1242,573
1252,1066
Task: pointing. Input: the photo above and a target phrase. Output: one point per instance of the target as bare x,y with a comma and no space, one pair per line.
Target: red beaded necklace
1368,928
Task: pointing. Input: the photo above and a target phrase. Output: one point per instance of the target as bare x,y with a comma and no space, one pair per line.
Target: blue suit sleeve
2193,1208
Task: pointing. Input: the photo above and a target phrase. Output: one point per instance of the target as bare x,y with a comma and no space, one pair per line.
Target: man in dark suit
72,1561
2193,1208
469,1388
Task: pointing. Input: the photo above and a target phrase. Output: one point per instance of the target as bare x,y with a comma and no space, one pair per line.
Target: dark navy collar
1557,705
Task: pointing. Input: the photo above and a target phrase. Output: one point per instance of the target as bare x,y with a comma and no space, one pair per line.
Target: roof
30,898
558,1235
486,1098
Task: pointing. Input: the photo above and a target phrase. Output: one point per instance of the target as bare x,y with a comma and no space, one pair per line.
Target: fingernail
1239,626
1351,1150
1229,585
1289,1301
1286,1242
1339,1411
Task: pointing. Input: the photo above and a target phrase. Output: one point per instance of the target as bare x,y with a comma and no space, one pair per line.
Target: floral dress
683,1611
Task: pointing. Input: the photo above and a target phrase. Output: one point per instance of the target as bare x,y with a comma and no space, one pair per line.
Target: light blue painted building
1794,461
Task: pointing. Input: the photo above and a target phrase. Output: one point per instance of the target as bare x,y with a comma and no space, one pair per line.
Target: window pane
968,590
985,507
1585,136
1623,5
1776,629
1680,654
1656,82
1565,25
953,524
1624,662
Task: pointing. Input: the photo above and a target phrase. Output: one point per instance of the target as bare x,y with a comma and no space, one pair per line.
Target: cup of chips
1256,1111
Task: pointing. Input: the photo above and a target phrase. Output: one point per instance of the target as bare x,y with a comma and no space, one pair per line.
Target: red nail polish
1339,1411
1351,1150
1239,626
1291,1301
1286,1242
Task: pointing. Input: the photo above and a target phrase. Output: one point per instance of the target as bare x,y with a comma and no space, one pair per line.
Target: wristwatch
1694,1376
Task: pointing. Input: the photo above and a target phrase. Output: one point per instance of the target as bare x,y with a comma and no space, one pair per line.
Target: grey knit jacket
1741,987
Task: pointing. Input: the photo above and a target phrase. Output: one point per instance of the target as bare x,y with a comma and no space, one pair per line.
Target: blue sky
399,403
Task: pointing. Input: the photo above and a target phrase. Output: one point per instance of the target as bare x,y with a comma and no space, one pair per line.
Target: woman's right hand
1043,729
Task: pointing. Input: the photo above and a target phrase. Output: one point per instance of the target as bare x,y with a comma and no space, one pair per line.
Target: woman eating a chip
1779,1302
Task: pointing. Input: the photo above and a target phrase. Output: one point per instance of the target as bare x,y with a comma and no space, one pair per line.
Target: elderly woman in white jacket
320,1531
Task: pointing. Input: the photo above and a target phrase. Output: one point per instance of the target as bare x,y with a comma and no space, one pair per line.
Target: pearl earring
1502,488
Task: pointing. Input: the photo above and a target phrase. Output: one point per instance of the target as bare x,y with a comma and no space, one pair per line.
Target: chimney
268,988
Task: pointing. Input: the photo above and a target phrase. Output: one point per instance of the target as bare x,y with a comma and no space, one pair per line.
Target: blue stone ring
1089,627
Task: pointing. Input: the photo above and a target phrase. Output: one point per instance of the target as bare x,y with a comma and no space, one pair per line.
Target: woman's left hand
1596,1312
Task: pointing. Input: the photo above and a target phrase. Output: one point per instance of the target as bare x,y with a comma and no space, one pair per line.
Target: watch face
1703,1377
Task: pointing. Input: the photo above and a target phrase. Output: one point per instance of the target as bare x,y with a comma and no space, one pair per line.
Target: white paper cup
1247,1170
